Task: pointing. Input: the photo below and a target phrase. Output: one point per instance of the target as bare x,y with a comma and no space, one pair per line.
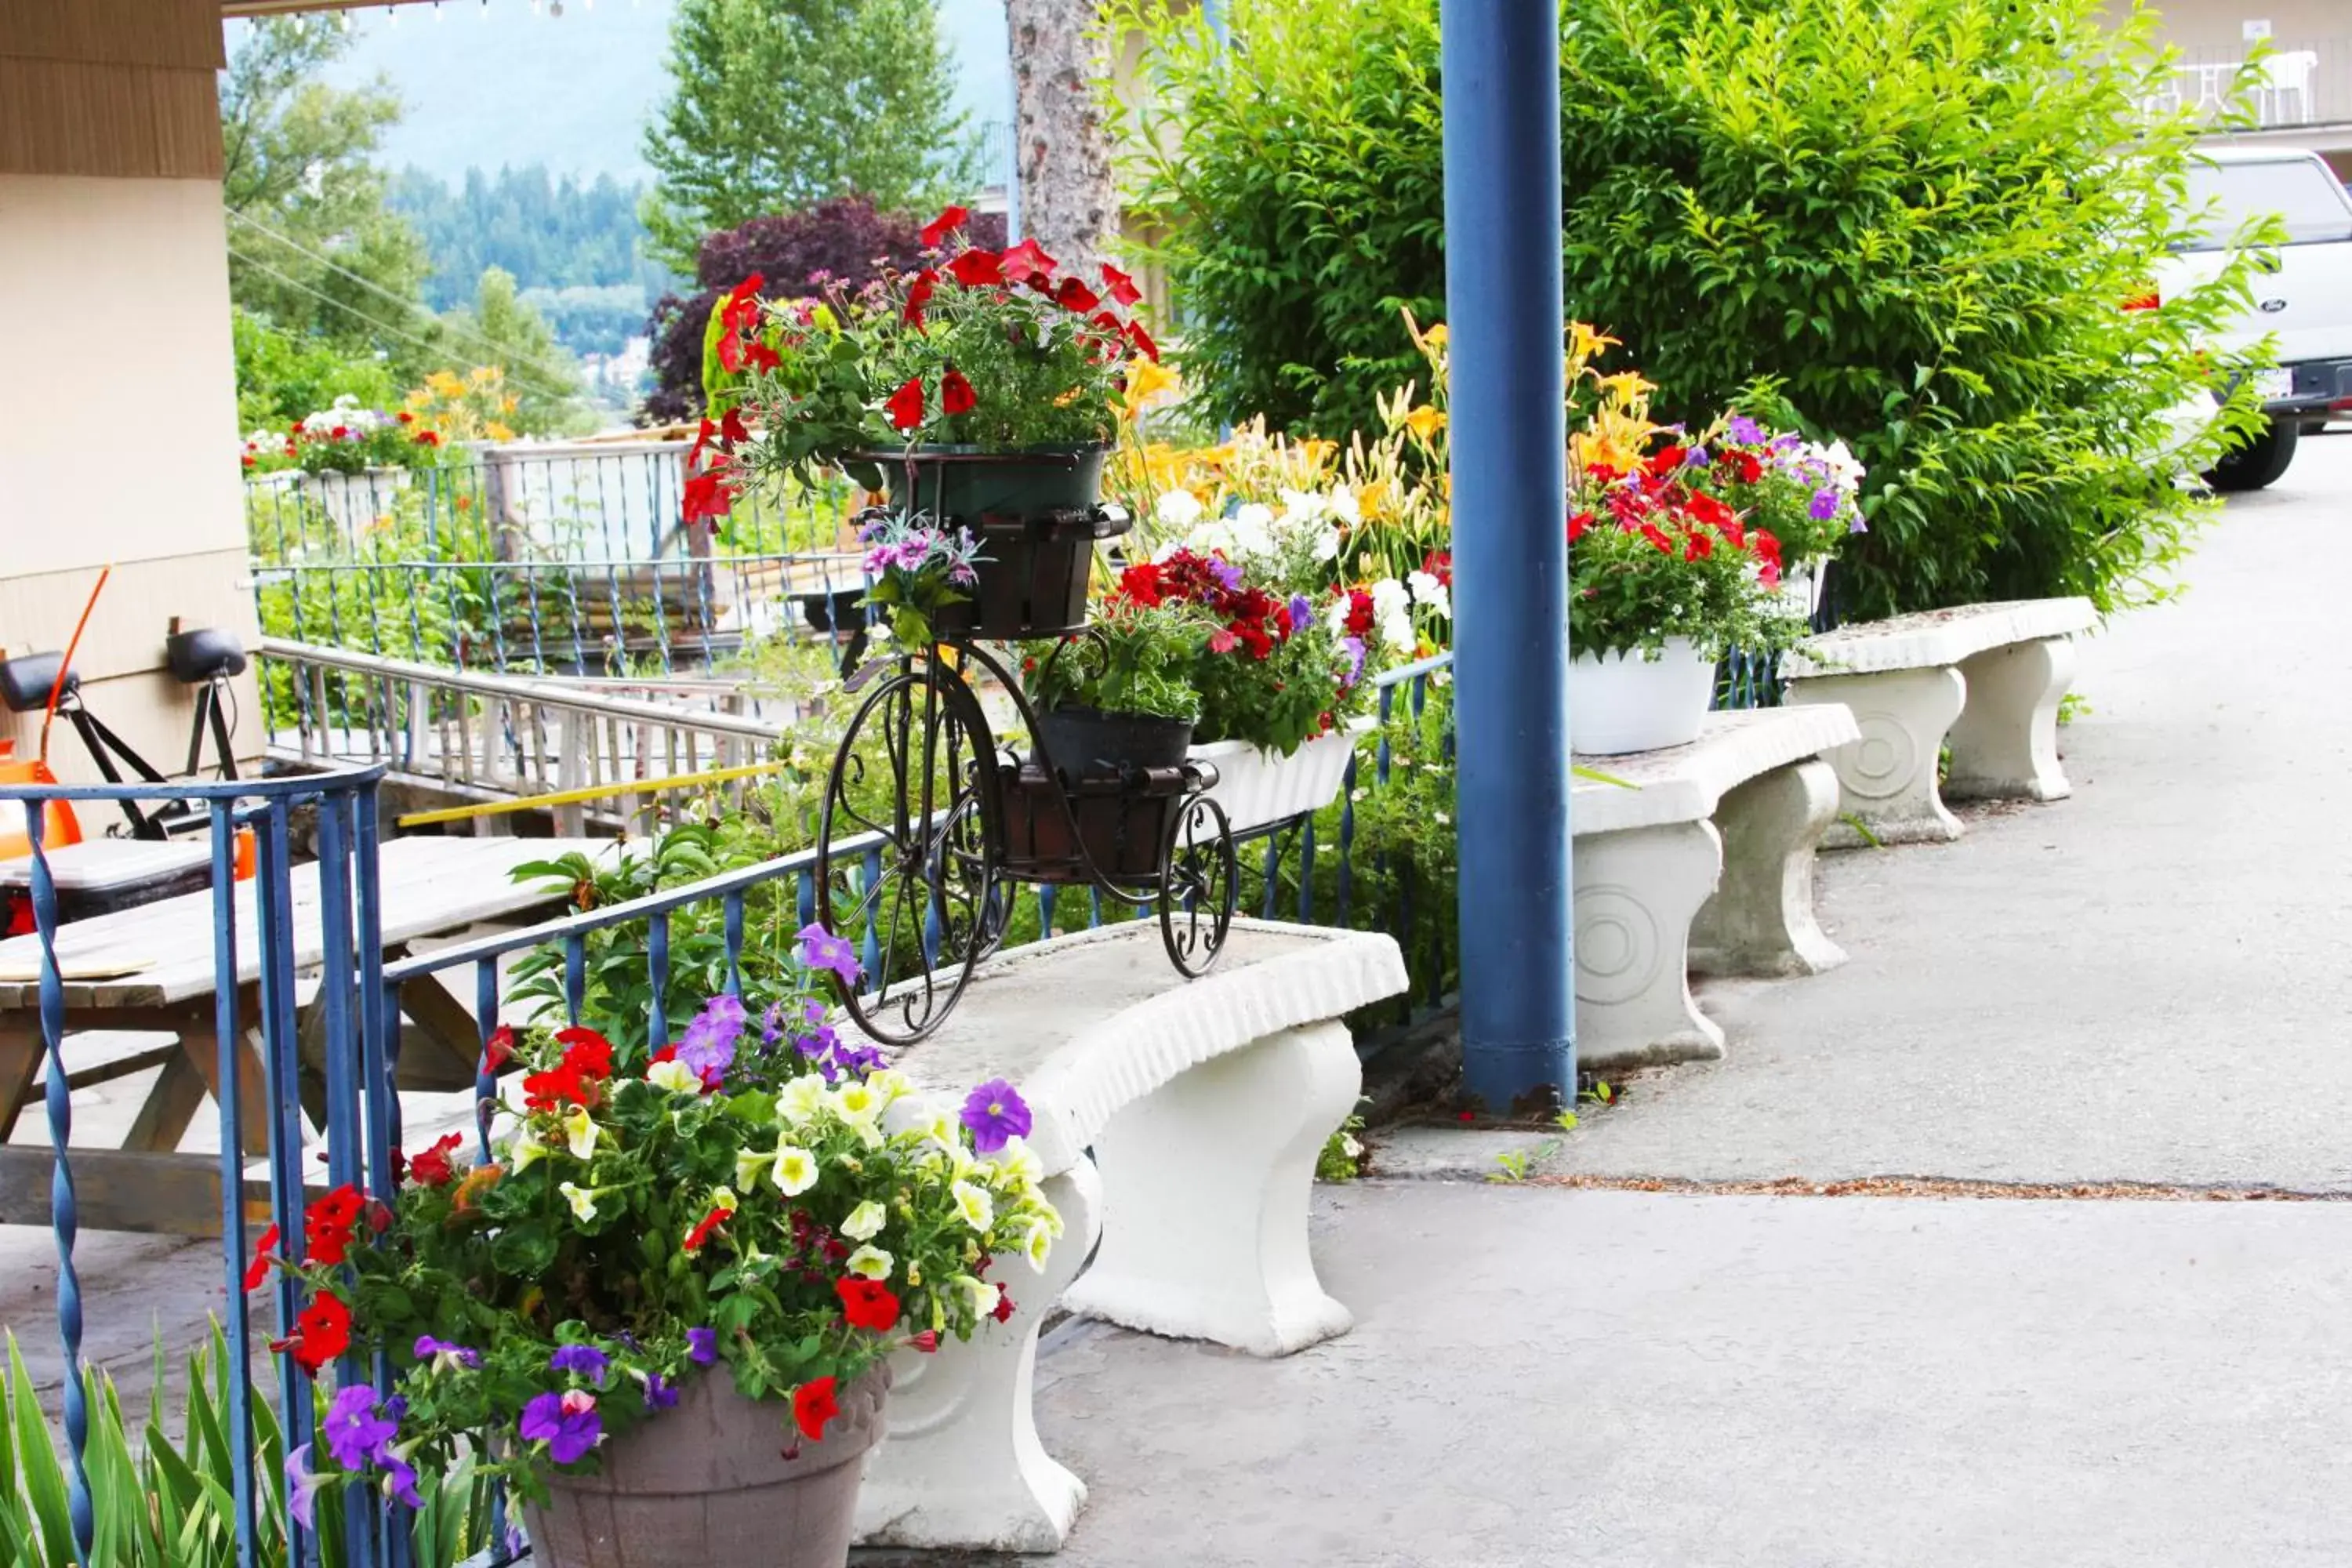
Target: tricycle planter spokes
719,1479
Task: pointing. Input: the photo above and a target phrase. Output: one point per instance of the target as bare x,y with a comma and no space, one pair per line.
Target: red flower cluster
1658,504
327,1225
1253,618
432,1166
576,1080
868,1304
738,315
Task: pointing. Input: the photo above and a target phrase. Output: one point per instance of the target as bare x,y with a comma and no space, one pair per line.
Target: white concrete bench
1708,865
1203,1105
1988,678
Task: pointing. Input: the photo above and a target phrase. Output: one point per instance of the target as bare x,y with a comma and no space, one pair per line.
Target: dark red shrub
844,237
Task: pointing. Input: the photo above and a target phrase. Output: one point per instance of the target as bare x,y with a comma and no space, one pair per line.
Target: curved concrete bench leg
2005,745
1760,920
963,1465
1206,1183
1637,891
1887,778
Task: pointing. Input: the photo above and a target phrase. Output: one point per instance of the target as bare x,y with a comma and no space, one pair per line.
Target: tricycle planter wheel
718,1479
906,861
1200,880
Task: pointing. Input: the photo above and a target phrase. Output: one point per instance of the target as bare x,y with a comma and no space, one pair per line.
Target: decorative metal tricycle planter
928,827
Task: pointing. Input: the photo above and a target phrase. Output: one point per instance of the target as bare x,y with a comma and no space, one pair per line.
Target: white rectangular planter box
1258,788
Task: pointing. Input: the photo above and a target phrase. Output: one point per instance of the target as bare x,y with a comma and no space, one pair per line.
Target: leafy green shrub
1909,224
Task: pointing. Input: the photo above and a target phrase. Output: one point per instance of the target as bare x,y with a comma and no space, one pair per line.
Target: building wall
117,412
2206,26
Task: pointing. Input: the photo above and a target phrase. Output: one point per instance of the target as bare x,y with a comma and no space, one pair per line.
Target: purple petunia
1743,429
444,1355
709,1045
567,1423
1354,648
1300,610
660,1395
1857,525
400,1480
702,1345
995,1112
820,949
1825,506
302,1487
1228,575
356,1430
586,1360
772,1023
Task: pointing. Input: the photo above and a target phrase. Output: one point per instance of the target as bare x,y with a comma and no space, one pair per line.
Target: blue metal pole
1503,306
65,1219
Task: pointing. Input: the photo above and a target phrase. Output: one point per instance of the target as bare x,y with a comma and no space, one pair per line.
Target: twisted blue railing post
64,1219
228,1034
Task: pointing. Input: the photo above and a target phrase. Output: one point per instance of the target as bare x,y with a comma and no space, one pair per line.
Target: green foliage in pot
764,1201
1907,224
1135,658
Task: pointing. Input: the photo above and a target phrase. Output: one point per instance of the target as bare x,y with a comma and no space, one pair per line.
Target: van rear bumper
2319,385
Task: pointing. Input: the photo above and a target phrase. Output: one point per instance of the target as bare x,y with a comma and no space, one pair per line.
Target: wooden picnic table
152,969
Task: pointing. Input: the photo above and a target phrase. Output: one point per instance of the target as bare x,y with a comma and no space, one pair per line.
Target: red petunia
555,1087
1122,287
1697,546
905,408
1003,1305
1711,511
1142,342
1578,524
1667,459
258,1269
1765,546
1024,263
428,438
1439,563
323,1330
705,1225
327,1225
731,428
814,1406
590,1053
1657,536
1745,466
977,268
405,417
919,294
868,1304
1140,584
955,393
432,1166
499,1049
1077,297
946,224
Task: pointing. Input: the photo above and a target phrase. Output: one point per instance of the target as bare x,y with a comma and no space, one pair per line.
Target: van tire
2259,463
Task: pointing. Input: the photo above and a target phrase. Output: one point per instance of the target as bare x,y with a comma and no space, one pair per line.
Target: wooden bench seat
1177,1121
1707,865
1985,679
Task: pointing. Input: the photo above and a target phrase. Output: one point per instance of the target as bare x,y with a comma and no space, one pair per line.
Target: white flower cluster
346,415
1254,530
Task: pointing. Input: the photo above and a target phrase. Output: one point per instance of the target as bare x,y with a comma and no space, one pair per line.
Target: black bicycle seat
194,658
25,683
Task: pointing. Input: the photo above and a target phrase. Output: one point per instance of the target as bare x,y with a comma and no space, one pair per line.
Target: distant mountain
492,83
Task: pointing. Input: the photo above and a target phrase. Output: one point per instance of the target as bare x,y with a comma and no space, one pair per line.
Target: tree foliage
778,104
550,233
312,247
501,329
845,238
1907,223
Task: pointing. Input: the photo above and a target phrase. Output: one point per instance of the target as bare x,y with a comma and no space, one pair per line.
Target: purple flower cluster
586,1360
1824,505
567,1423
358,1431
446,1354
995,1113
835,1057
1743,429
709,1045
820,949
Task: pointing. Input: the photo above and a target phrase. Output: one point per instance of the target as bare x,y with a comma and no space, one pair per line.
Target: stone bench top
1683,783
1089,1022
1934,638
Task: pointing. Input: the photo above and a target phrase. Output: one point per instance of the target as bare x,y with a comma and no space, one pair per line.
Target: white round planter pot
1257,787
1624,703
1800,589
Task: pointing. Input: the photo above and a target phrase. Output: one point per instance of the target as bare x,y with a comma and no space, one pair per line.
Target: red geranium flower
586,1051
1359,613
1657,536
1077,297
1024,263
1578,524
868,1304
758,355
814,1406
955,393
1745,466
428,438
977,268
1140,584
258,1269
323,1330
1765,546
1697,546
1122,287
705,1225
554,1088
432,1166
946,224
905,408
1667,459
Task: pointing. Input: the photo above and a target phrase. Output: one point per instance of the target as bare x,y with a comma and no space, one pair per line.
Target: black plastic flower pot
1037,514
1079,742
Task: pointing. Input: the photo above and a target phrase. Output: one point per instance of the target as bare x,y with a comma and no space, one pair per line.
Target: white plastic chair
2286,76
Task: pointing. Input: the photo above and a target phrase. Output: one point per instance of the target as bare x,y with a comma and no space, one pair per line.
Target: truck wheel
2259,462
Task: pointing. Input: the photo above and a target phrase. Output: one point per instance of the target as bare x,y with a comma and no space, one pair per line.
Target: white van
2303,290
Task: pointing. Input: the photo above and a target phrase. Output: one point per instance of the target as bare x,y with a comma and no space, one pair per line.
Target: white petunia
864,1222
1429,593
889,1086
674,1076
749,1166
869,1261
1252,530
978,1209
854,1102
1018,1160
796,1170
1304,506
982,1294
1037,1244
1345,507
801,1098
526,1153
580,1132
581,1199
1177,509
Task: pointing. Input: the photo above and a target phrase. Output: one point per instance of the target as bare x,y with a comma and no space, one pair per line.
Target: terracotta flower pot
707,1483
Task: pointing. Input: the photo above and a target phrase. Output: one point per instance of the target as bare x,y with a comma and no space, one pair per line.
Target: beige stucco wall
118,435
2205,27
